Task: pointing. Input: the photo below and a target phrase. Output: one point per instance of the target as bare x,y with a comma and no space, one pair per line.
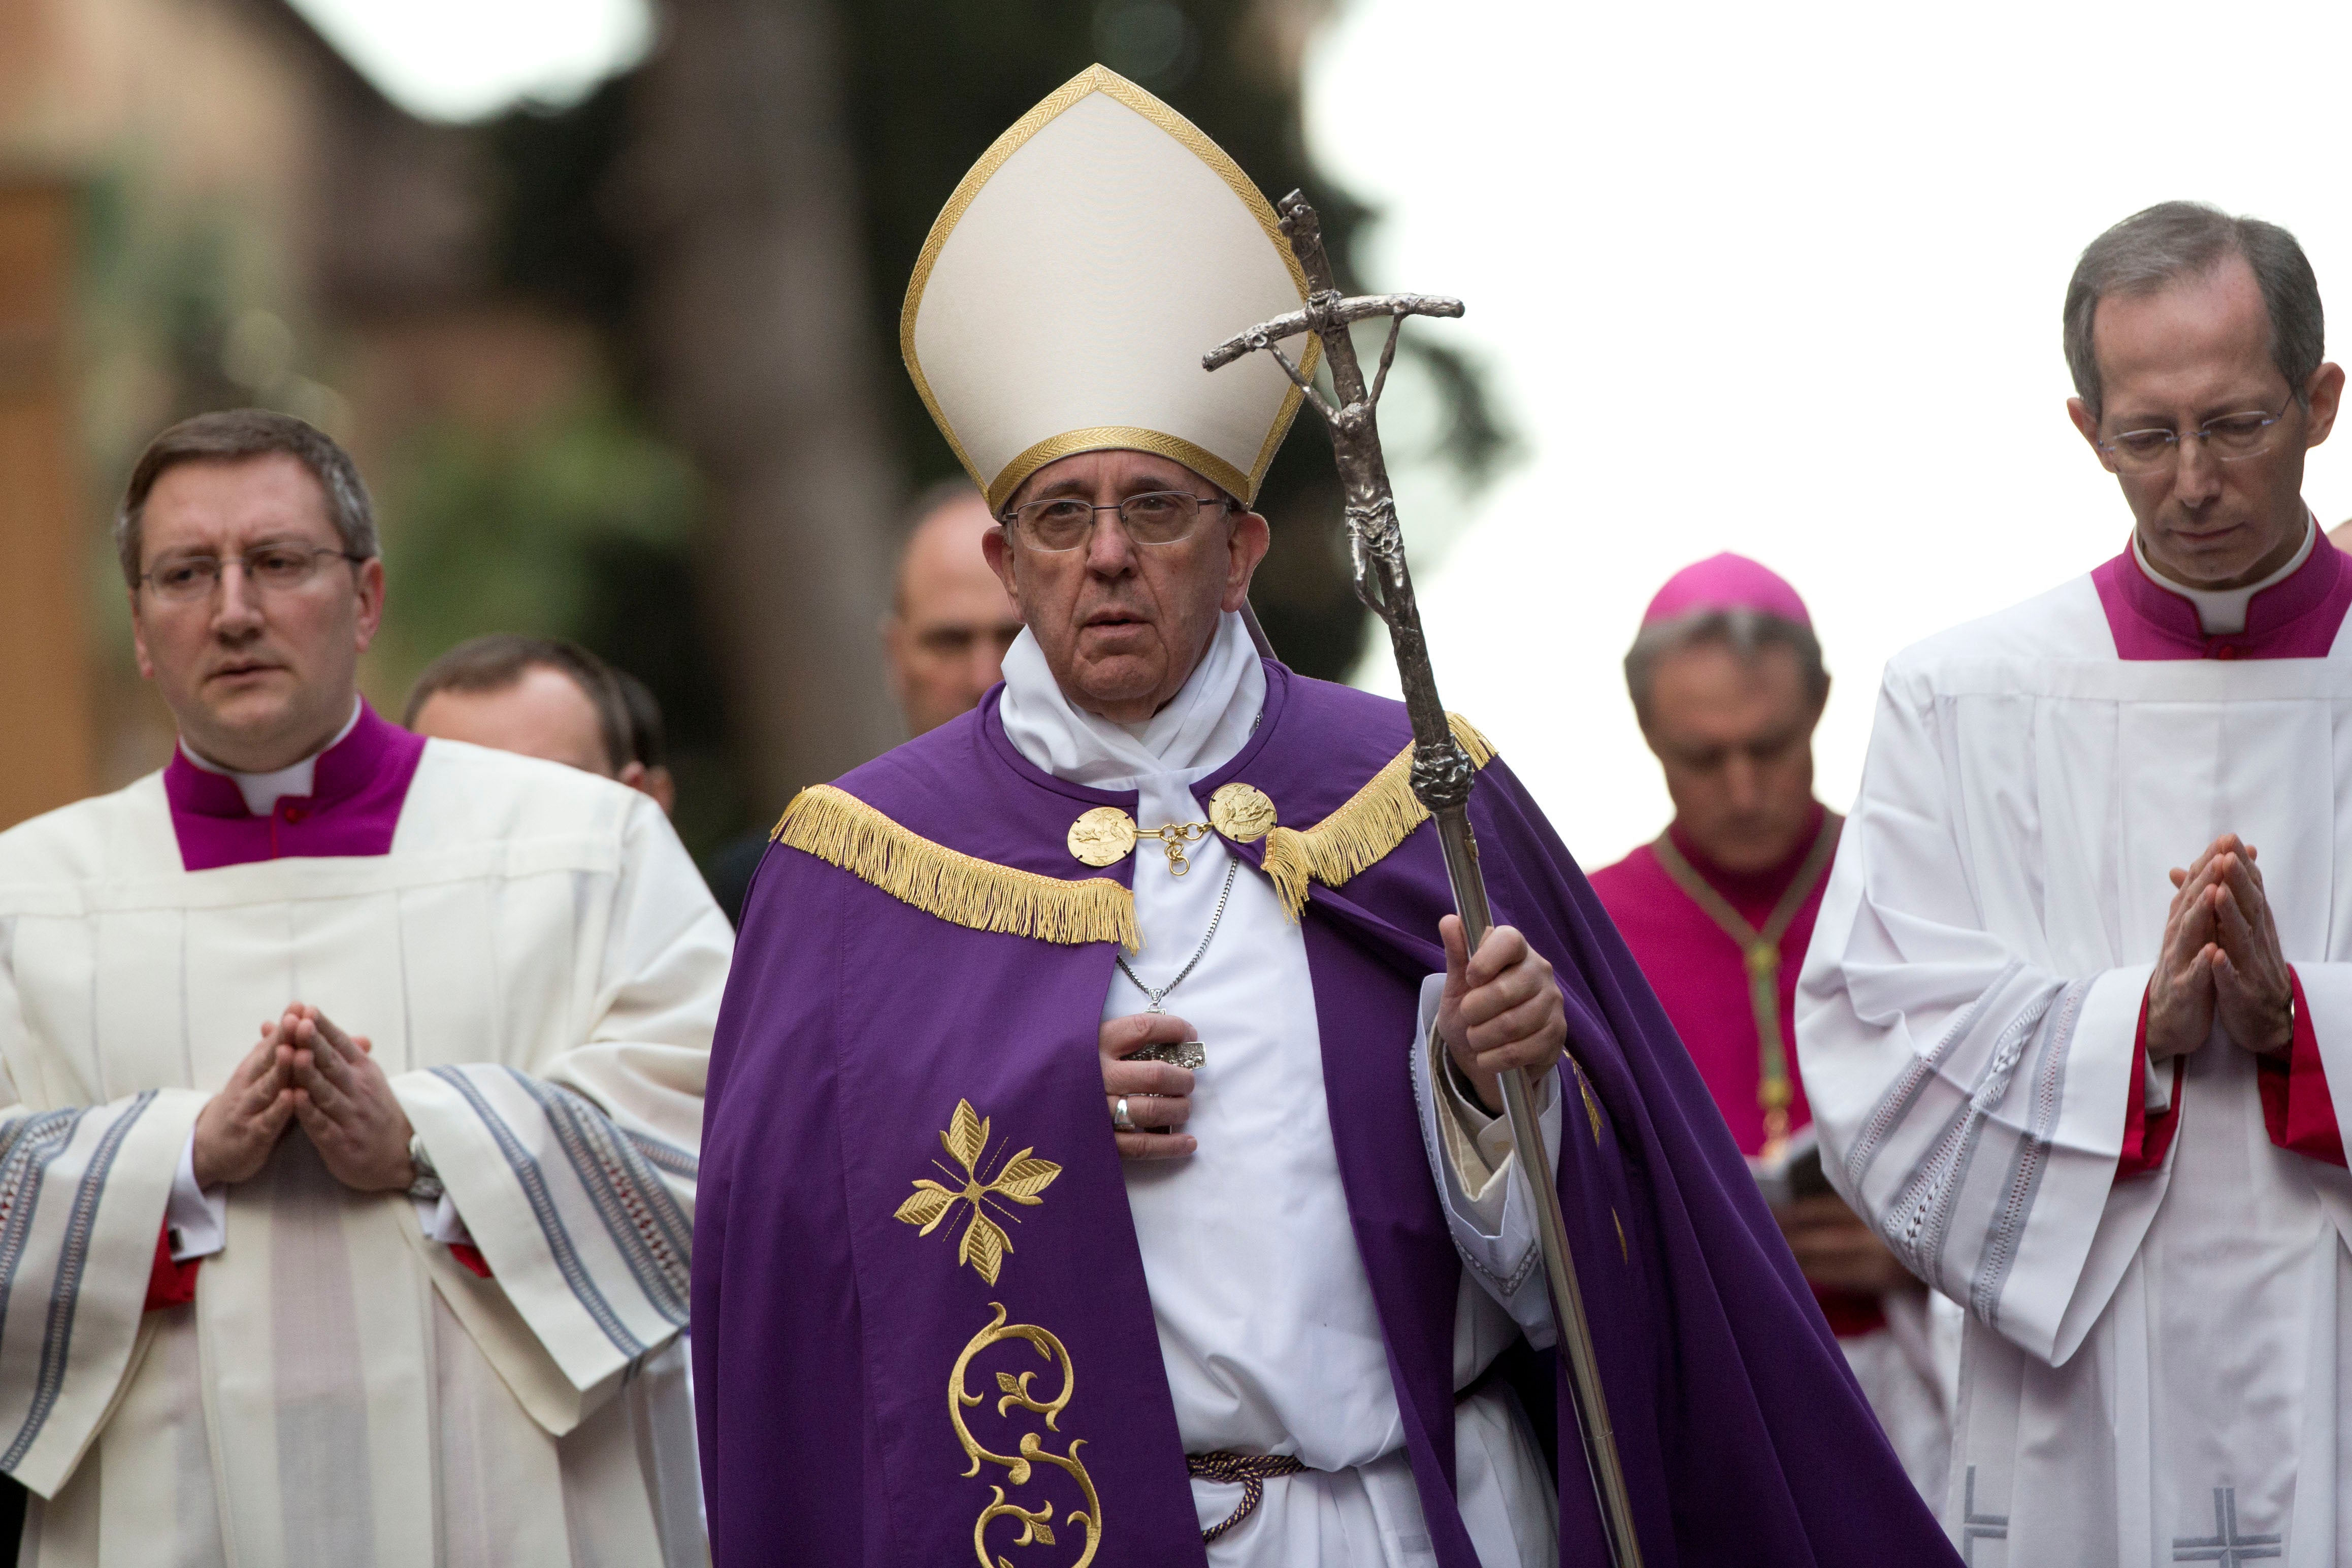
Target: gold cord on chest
1761,949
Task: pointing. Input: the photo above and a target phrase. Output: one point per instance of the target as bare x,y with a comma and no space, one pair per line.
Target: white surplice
1268,1331
539,968
2153,1368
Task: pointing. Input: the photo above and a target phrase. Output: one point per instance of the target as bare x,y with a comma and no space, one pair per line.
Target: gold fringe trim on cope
1360,833
841,830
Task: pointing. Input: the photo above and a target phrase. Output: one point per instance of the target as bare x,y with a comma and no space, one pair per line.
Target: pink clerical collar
2297,617
356,792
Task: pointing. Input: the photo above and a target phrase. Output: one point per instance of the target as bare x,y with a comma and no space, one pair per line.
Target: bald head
951,622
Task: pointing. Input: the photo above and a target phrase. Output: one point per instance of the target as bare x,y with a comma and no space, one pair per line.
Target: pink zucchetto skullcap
1726,581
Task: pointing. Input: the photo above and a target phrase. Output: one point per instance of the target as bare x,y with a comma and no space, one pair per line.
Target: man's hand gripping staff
1443,777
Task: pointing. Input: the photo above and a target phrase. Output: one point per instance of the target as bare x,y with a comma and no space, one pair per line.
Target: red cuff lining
169,1284
2145,1142
1850,1313
2297,1109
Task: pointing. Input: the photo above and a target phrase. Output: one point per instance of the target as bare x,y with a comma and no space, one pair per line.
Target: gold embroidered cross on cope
1019,1180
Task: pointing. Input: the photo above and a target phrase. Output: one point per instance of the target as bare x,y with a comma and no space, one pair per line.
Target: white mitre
1072,283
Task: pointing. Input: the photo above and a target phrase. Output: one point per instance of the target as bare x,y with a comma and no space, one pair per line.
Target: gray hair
231,434
1747,633
2173,240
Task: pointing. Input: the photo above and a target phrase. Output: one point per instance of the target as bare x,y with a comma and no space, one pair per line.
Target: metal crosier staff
1442,774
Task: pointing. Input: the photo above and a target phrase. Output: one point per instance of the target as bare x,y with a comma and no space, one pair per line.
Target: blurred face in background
541,713
946,637
256,677
1735,735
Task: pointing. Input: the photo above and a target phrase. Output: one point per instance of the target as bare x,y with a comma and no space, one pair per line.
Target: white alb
2155,1370
1267,1328
538,968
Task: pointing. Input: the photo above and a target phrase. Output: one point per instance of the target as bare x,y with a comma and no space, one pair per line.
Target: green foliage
487,531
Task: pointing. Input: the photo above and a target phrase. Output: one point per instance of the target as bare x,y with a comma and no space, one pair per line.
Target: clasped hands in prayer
304,1070
1499,1012
2220,958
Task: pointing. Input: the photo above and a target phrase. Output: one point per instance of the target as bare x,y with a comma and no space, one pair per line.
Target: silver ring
1119,1117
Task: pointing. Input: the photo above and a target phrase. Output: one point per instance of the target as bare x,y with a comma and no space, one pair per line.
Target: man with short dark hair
950,622
648,742
399,1280
540,697
2077,1017
1727,679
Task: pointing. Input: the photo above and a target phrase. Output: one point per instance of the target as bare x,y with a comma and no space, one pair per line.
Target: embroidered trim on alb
663,1156
638,1211
1893,1107
64,1291
26,1149
533,1183
2025,1172
1917,1221
1508,1285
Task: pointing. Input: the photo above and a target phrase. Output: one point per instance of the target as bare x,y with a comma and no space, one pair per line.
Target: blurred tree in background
789,160
628,372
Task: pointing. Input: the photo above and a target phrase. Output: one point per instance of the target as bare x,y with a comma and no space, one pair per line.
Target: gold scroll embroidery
1036,1524
841,830
1372,821
1020,1179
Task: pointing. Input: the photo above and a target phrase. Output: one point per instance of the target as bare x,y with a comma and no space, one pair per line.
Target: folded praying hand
2221,957
305,1069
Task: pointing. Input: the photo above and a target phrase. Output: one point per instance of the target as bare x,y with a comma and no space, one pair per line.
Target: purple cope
826,1333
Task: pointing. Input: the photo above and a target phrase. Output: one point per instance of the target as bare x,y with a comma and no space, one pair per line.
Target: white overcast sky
1782,279
1785,279
461,59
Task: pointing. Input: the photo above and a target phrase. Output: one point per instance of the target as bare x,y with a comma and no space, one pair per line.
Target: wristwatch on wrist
426,1188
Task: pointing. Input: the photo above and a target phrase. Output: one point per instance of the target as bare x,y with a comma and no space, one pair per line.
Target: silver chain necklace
1175,856
1231,871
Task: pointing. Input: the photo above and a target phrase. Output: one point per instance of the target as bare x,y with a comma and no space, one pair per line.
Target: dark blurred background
625,371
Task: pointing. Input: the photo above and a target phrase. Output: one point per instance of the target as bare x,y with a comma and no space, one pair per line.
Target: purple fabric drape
827,1331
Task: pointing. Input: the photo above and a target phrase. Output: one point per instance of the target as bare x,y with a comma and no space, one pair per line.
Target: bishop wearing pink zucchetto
1727,681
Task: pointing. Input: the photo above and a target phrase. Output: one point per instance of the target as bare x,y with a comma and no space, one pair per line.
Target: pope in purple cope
1102,1160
